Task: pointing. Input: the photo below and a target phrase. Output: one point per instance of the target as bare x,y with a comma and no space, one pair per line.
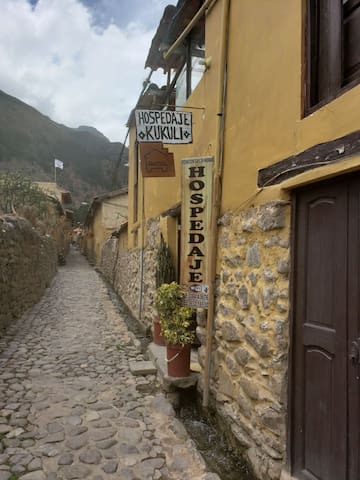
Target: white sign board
196,205
163,126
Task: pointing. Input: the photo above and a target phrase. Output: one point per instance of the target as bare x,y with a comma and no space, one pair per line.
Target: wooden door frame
287,472
290,395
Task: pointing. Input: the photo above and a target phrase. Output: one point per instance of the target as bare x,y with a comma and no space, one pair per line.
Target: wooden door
325,386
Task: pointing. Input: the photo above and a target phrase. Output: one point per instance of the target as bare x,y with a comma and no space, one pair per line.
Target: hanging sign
163,126
197,187
156,160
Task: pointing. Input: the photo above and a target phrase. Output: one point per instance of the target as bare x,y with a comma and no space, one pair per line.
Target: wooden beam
316,156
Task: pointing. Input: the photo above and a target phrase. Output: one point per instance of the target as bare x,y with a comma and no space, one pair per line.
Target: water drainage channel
201,425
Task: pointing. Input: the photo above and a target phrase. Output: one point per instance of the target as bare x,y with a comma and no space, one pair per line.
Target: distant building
107,213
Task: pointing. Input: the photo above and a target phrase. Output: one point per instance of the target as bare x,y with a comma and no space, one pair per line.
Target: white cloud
54,58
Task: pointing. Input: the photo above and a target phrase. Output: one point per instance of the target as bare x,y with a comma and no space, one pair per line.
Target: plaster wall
114,211
265,119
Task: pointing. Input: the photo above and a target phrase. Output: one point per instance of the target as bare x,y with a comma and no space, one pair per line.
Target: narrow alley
70,408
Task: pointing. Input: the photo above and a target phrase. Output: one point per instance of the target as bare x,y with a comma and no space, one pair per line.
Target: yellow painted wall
160,194
264,121
114,211
98,232
109,215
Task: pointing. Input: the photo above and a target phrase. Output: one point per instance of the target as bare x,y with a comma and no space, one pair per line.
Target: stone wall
28,263
251,338
108,259
150,267
250,351
124,268
121,268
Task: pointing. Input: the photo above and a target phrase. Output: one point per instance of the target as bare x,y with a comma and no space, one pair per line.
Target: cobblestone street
70,408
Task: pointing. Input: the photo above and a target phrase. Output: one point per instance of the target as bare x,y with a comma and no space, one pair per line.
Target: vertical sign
197,187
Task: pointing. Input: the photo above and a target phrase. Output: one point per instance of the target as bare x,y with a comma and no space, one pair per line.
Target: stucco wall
265,95
27,265
251,338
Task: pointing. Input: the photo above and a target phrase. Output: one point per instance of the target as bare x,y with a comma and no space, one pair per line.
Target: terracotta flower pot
178,360
157,337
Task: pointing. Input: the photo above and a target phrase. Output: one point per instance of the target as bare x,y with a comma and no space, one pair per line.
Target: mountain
30,141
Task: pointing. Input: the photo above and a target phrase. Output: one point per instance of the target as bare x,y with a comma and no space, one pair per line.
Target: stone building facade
107,214
28,263
251,337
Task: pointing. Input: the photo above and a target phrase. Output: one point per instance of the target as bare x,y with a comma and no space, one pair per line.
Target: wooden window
351,40
333,49
192,71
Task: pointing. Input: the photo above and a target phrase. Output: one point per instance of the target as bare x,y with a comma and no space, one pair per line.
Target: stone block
264,326
268,296
142,368
269,276
225,276
233,261
201,334
273,420
245,405
271,216
282,307
260,343
242,356
232,365
230,332
225,220
248,220
243,296
226,311
224,240
283,266
249,387
238,276
230,288
253,255
226,384
243,438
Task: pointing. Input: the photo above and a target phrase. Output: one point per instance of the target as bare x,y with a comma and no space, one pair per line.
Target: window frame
187,70
322,88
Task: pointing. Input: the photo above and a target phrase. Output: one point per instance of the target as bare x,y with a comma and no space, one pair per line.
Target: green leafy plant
175,319
18,192
165,271
20,196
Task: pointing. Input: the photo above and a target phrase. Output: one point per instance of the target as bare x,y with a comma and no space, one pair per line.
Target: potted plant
176,328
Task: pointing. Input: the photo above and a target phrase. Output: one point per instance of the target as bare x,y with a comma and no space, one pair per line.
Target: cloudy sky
81,62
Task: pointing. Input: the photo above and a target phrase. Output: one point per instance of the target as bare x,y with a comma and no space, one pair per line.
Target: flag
59,164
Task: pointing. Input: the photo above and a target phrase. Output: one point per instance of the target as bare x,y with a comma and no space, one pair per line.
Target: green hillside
29,142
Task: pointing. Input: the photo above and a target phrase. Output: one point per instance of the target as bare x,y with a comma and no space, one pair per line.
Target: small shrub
175,319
